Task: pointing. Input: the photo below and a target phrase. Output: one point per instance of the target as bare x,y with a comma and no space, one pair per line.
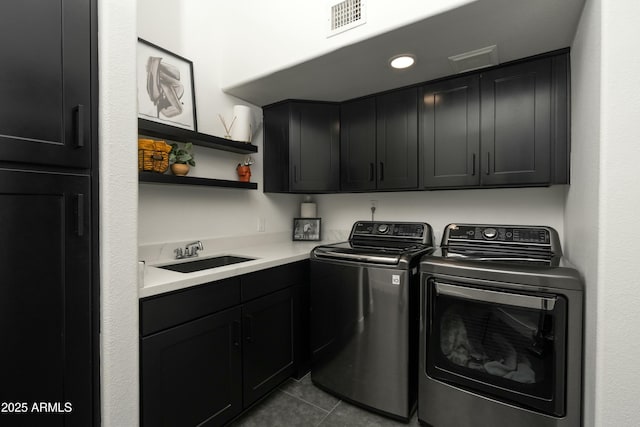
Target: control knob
490,233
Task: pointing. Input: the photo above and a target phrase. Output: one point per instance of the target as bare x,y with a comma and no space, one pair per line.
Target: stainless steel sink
205,263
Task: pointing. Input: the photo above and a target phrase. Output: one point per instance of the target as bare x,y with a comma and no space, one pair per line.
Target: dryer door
499,343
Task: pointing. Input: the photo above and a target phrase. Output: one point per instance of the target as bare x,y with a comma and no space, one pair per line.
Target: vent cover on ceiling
345,15
475,59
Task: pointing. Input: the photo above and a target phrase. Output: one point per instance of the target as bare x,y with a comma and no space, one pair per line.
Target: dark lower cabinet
210,365
192,373
268,343
46,296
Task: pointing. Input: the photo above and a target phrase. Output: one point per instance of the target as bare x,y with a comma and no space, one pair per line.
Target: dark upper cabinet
516,124
397,140
45,295
192,373
45,82
301,147
268,357
358,163
379,142
450,133
508,126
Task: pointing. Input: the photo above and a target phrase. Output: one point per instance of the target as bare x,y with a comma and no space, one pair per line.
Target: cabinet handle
248,320
488,162
295,174
381,171
79,116
473,165
371,171
236,333
80,215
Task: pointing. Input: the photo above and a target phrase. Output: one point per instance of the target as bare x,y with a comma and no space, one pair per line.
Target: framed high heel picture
165,87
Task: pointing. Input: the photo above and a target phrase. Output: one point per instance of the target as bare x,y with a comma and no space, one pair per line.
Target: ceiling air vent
475,59
345,15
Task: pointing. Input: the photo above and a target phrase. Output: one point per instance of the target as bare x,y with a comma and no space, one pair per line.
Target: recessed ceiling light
402,61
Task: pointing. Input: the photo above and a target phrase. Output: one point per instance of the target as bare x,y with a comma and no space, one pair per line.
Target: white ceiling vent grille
475,59
345,15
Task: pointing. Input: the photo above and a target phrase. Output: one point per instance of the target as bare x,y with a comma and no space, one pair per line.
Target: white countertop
268,253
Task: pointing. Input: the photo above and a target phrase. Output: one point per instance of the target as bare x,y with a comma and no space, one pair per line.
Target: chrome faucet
190,250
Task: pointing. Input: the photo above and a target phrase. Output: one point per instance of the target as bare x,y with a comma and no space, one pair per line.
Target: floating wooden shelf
160,130
189,180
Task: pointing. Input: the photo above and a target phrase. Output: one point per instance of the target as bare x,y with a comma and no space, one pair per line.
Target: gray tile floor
300,403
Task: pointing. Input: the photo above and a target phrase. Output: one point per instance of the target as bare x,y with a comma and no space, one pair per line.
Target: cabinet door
450,133
45,295
314,147
191,374
397,139
45,82
268,335
276,148
516,124
358,145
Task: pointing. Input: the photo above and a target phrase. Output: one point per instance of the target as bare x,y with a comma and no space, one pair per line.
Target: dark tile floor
300,403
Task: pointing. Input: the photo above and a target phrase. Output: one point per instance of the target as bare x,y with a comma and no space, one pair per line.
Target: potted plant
181,158
244,169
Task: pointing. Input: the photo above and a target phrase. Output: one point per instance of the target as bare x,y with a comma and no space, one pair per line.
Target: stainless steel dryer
500,330
364,315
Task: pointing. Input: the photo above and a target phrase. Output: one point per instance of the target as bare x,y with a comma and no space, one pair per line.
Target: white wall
118,213
194,30
582,215
618,345
266,36
603,204
529,206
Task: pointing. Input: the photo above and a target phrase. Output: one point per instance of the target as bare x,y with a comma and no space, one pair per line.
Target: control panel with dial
405,230
500,234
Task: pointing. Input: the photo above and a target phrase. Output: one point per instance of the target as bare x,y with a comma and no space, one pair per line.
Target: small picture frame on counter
306,229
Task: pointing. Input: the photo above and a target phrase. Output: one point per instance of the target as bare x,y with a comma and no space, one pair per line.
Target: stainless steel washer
364,315
500,330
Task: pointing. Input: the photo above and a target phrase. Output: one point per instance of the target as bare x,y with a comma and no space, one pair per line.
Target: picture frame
306,229
166,92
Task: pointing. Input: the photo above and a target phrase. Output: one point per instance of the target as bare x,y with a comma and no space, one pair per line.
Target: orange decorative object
244,173
153,156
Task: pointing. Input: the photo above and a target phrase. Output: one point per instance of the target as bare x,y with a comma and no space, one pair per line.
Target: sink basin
206,263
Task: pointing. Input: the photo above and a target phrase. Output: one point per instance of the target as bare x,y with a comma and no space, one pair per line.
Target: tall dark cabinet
48,132
45,82
301,147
